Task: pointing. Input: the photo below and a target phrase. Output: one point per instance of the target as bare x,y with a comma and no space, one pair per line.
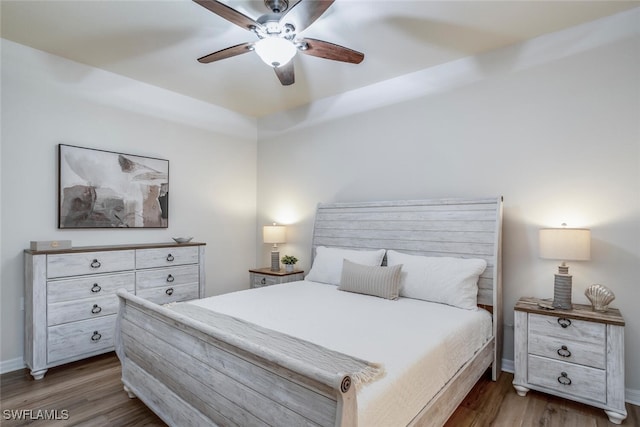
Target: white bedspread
420,344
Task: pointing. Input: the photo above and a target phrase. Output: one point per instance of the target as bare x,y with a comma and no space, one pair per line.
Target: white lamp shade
275,51
566,244
274,234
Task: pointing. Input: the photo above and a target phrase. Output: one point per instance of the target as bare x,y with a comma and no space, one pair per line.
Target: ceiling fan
278,35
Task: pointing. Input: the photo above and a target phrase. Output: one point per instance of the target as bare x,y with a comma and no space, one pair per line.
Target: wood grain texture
586,382
465,228
79,339
579,311
583,342
170,293
155,364
91,391
428,228
592,368
166,257
439,409
88,286
70,301
66,265
264,277
169,276
78,249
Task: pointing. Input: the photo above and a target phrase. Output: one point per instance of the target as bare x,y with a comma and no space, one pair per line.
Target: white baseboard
11,365
507,366
631,396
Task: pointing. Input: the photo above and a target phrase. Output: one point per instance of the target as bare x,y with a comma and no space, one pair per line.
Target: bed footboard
190,377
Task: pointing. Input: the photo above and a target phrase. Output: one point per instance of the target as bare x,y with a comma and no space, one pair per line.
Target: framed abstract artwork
104,189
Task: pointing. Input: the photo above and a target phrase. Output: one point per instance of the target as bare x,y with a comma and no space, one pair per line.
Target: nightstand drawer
569,350
259,281
266,277
576,330
568,378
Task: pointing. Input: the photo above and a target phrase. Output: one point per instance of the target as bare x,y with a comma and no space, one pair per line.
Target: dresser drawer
169,294
88,286
65,265
166,277
568,378
72,340
86,308
165,257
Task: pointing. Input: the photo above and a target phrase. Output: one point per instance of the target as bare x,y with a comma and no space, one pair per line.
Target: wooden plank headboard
467,228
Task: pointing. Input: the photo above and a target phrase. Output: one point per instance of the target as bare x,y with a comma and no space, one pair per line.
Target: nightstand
577,354
265,277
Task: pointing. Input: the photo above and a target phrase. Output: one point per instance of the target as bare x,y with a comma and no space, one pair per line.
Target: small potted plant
289,261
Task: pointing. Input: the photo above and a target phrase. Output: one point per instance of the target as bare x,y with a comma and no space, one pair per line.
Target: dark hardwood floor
89,393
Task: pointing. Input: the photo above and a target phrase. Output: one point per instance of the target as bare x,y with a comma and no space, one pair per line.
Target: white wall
47,100
551,124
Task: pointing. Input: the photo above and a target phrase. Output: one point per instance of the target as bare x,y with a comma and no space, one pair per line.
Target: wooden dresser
70,301
577,354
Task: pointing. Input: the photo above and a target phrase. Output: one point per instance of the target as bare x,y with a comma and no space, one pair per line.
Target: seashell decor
600,297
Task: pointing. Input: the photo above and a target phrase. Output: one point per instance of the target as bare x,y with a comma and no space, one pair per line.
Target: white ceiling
158,41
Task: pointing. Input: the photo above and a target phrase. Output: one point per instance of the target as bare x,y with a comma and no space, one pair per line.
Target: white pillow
327,264
383,282
452,281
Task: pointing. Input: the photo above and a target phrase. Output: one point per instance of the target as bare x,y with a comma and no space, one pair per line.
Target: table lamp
565,244
274,234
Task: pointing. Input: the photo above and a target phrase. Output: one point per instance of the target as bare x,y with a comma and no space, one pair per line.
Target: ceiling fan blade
229,14
226,53
304,13
332,51
285,73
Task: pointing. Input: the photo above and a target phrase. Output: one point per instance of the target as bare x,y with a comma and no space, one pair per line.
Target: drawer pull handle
170,258
95,264
564,322
564,379
96,309
96,336
170,278
564,351
169,291
96,288
263,281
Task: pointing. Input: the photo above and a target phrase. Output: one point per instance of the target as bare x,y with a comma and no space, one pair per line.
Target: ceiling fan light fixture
275,51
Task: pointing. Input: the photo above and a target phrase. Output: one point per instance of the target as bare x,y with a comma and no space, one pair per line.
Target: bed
309,353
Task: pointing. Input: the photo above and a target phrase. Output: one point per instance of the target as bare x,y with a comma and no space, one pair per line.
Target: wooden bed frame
190,374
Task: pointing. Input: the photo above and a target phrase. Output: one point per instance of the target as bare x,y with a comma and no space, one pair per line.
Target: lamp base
562,291
275,261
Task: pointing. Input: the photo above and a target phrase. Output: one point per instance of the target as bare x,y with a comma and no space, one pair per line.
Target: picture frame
106,189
